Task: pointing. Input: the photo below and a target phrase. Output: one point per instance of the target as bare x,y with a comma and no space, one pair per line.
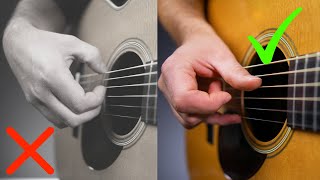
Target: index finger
70,93
183,93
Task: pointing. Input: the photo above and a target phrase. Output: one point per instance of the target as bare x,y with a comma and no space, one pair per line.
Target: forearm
183,18
42,14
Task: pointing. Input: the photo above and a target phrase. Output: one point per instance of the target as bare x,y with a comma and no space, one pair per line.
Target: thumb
90,55
235,75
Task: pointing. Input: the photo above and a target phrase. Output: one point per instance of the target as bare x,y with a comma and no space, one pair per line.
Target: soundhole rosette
126,129
267,137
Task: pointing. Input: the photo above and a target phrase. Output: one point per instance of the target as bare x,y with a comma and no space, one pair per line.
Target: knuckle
93,54
71,38
166,66
77,107
47,72
161,84
190,122
178,104
72,122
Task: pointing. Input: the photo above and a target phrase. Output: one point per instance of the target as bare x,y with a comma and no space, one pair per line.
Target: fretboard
149,102
303,93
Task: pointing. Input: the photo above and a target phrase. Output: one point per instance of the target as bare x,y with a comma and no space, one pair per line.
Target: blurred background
172,164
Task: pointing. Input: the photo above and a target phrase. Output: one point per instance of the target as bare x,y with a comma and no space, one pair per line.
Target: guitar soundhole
123,111
266,117
119,3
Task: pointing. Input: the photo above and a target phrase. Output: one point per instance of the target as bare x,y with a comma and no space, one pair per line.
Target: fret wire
304,92
315,95
119,70
294,93
148,90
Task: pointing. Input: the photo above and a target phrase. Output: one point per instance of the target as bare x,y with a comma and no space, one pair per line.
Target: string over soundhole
264,113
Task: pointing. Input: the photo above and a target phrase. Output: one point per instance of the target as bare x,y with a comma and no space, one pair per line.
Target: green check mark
267,54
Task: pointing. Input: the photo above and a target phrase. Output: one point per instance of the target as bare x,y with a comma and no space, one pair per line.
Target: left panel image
79,89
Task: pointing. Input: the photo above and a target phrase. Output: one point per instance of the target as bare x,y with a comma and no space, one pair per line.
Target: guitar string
238,97
247,67
133,96
280,73
119,70
129,106
132,85
271,121
120,77
154,73
290,72
127,85
316,84
280,98
155,63
248,108
245,117
124,116
284,60
278,110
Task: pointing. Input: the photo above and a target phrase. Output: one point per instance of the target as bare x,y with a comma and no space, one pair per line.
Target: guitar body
272,151
114,146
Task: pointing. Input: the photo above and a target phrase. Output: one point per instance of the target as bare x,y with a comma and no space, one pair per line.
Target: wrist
195,28
16,28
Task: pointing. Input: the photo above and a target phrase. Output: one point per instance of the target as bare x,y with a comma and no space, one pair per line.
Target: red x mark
30,150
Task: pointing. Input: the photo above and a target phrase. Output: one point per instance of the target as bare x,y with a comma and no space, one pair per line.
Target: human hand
189,80
40,61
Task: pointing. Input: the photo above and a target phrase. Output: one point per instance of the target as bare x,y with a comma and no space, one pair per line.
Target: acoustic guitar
121,143
279,136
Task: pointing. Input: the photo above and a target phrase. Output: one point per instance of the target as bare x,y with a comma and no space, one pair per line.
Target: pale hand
40,61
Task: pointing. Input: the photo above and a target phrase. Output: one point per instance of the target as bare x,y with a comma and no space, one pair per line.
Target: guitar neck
303,93
151,91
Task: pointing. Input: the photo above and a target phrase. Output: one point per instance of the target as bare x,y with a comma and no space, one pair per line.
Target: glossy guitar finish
232,151
126,36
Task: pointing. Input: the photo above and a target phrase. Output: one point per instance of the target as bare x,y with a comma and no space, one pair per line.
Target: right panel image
238,90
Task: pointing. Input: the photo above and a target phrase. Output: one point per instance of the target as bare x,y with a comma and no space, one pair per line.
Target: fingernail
227,99
250,77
